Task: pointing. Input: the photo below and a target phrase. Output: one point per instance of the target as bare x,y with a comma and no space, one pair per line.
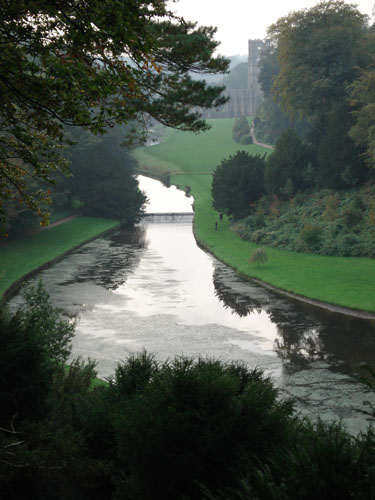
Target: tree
284,173
91,64
363,99
271,121
320,51
103,178
32,341
259,256
362,102
241,130
238,182
340,161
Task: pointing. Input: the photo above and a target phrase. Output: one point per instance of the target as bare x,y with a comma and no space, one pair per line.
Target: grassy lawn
344,281
20,257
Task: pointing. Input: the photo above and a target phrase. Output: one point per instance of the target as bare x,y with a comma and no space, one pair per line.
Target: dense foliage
89,64
103,179
287,168
317,67
237,182
270,120
325,222
182,429
316,75
363,101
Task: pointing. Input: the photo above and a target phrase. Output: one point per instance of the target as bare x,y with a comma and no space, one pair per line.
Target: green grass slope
344,281
21,257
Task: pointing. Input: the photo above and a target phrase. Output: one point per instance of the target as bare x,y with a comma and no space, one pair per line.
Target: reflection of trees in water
305,333
238,302
119,255
298,349
130,236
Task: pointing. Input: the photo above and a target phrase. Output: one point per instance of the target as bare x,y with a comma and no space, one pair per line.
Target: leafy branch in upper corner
84,64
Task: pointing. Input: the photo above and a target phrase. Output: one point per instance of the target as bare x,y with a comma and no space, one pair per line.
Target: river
153,288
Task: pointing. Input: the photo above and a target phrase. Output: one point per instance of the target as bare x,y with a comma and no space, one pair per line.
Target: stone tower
255,92
243,102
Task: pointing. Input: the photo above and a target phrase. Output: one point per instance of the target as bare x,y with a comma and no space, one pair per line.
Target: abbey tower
243,101
255,92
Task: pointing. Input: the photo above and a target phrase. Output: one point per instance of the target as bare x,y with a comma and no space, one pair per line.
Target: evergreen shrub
311,234
352,216
246,139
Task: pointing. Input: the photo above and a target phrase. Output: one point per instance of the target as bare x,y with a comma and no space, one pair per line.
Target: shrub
259,256
257,236
352,216
165,178
287,161
322,461
300,245
240,129
31,341
329,247
331,205
346,244
259,218
371,218
246,139
311,235
359,203
189,423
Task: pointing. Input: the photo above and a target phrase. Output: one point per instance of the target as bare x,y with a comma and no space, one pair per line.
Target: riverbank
22,258
339,281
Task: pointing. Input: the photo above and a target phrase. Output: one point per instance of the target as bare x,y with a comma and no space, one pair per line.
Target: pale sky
240,20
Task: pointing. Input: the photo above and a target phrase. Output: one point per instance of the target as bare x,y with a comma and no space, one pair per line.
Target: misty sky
239,20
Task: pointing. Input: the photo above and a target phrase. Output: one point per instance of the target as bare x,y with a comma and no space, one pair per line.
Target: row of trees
67,64
183,429
317,77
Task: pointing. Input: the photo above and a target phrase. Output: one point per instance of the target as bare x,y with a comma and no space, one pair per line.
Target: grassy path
343,281
21,257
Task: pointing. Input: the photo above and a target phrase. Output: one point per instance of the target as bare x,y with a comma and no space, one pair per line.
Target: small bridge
168,216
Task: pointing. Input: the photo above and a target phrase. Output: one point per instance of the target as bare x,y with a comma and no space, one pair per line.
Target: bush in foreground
186,429
188,423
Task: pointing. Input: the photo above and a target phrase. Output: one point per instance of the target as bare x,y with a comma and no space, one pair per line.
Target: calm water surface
152,288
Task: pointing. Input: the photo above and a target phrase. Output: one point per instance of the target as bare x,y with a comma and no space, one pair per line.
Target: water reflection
162,199
305,334
240,303
110,273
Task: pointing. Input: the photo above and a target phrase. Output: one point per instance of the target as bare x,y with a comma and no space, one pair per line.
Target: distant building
243,102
